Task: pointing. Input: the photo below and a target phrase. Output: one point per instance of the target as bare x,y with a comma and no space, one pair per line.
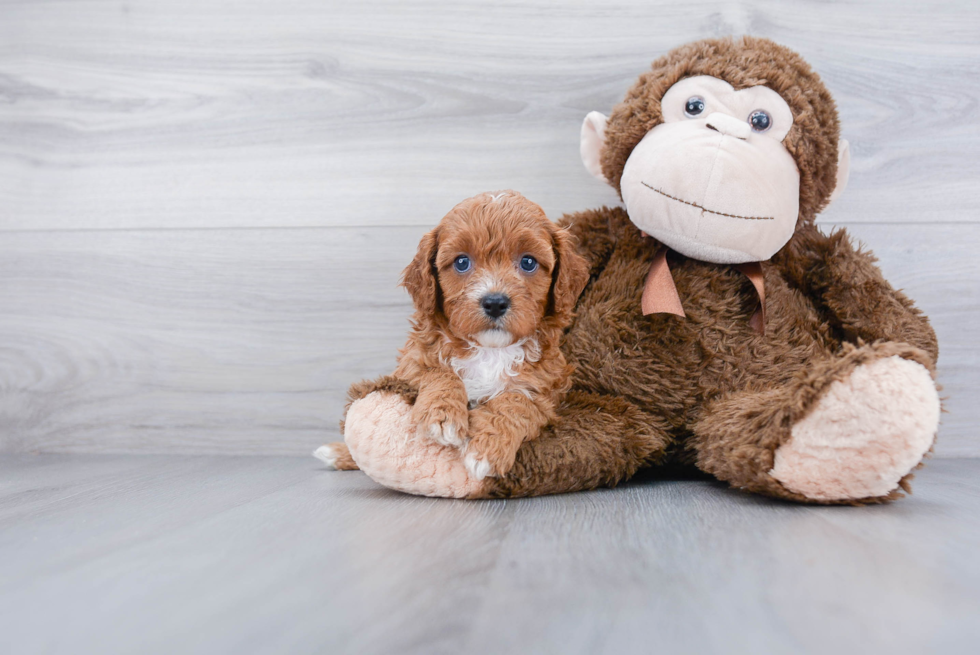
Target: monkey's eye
529,264
462,264
760,120
693,106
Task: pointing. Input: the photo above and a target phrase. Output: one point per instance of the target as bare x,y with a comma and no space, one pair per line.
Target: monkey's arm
597,440
854,294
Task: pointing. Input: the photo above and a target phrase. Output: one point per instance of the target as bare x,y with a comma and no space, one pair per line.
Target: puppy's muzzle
495,305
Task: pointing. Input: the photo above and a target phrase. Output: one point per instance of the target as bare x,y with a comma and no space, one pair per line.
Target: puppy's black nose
495,304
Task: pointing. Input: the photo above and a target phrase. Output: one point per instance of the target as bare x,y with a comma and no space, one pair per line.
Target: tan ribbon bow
660,292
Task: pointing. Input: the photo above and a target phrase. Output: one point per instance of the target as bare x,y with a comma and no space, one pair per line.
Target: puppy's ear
420,277
569,277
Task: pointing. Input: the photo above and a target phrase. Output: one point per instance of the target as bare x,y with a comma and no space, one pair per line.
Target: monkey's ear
592,140
843,169
419,277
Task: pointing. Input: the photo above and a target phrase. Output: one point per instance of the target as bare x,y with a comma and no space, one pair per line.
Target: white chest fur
489,371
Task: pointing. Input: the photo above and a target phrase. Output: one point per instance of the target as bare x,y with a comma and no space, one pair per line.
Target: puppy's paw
442,422
476,467
488,455
336,456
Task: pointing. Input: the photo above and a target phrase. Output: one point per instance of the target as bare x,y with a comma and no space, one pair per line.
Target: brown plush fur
495,231
706,390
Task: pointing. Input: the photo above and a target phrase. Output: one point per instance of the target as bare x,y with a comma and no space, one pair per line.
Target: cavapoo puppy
494,286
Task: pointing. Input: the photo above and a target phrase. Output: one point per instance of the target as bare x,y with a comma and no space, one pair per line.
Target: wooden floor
198,554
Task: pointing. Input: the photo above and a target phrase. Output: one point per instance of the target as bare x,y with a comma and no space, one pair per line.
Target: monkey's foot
865,434
381,435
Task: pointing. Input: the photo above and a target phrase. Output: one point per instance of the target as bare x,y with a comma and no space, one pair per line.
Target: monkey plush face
713,181
715,175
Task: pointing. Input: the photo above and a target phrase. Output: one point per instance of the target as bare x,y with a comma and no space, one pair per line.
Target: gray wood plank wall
204,206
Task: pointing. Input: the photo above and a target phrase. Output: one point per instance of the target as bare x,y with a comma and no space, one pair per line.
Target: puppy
494,285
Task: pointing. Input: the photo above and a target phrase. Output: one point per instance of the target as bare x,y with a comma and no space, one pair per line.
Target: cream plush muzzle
708,185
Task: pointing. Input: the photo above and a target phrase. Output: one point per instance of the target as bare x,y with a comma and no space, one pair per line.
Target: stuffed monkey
720,329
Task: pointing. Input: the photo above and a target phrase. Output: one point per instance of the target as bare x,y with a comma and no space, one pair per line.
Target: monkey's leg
597,441
380,432
848,430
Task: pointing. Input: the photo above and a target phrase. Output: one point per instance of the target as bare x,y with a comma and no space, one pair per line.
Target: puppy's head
494,269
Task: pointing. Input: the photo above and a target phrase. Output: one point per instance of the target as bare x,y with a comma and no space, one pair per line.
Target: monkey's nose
729,125
495,305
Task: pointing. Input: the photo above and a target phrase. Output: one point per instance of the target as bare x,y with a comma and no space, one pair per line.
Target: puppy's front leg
440,409
497,430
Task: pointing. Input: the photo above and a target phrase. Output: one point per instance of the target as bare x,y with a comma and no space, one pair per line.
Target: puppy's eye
462,264
760,120
529,264
694,106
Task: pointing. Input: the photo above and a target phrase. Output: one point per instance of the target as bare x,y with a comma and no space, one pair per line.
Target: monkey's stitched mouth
710,211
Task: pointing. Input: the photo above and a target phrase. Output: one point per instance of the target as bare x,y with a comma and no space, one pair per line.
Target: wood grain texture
194,341
162,554
300,113
245,341
204,206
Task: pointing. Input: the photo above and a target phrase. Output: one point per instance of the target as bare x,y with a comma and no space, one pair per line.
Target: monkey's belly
672,364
